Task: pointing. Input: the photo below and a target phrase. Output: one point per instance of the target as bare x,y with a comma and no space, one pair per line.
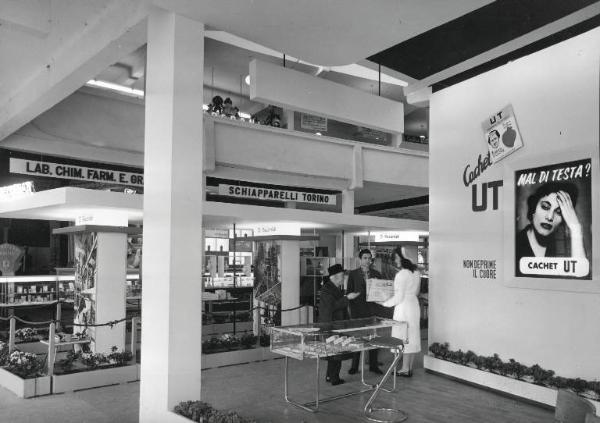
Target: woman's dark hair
404,262
549,188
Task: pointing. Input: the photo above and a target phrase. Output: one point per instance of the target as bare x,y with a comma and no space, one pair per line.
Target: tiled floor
256,390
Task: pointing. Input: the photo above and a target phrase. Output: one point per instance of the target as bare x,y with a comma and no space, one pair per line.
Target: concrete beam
116,31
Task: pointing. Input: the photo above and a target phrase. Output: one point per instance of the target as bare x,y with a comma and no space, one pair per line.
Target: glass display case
34,290
317,340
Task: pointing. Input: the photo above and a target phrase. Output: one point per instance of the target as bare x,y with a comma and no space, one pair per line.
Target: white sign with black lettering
272,194
313,123
270,229
74,172
554,266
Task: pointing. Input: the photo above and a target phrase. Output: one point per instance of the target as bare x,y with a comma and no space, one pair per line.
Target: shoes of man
352,371
337,382
404,374
376,370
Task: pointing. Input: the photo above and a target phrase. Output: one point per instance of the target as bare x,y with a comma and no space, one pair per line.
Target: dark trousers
334,366
372,359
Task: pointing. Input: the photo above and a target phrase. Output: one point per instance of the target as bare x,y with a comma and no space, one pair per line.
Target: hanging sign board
74,172
260,193
398,236
216,233
502,134
270,229
313,123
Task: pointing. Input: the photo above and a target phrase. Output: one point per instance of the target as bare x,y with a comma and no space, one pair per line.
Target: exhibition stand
508,152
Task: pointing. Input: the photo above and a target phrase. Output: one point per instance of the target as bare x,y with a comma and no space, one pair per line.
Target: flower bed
199,411
23,373
228,342
102,376
228,350
475,367
86,370
24,388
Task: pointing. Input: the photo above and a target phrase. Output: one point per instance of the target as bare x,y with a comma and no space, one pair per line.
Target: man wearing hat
333,305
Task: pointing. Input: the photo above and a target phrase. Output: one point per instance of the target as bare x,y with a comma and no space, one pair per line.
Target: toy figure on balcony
216,107
272,119
228,109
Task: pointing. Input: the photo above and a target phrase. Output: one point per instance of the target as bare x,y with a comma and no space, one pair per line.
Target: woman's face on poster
547,216
494,139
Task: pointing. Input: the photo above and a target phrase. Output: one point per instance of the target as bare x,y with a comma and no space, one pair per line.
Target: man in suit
333,305
359,308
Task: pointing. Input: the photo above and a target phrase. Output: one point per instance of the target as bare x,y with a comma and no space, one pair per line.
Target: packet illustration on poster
502,134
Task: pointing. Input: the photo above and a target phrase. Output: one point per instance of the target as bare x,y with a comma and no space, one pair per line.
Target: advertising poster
267,265
86,245
553,209
502,134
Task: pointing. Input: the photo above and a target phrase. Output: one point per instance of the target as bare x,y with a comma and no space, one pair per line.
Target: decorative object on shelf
272,118
215,108
533,374
10,258
199,411
228,109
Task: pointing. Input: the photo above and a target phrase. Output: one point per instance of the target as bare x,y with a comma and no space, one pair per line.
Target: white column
173,189
348,201
110,290
348,239
290,281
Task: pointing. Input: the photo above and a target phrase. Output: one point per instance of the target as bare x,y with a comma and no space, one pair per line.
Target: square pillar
173,193
110,290
290,282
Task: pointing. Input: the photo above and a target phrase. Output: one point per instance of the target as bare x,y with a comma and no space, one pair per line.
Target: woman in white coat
407,284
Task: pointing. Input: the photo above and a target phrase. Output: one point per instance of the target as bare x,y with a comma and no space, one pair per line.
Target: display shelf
50,289
28,304
34,290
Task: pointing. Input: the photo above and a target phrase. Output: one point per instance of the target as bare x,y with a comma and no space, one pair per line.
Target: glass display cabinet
318,340
339,338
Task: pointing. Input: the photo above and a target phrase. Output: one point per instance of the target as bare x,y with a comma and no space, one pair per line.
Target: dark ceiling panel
472,34
524,51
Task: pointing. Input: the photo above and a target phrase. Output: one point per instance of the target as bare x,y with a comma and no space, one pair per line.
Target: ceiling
50,48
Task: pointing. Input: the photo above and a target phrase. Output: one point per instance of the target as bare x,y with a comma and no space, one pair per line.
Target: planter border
94,378
529,391
230,358
25,388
